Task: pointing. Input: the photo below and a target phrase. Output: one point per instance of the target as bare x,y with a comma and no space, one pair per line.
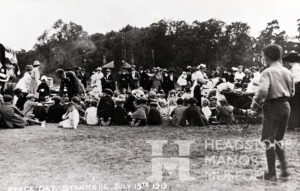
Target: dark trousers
276,117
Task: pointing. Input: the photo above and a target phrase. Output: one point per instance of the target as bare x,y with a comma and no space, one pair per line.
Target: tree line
165,43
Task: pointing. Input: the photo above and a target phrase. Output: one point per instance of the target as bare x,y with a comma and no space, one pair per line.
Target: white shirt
296,72
91,116
239,75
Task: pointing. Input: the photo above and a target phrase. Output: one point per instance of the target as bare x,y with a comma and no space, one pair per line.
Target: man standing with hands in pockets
276,86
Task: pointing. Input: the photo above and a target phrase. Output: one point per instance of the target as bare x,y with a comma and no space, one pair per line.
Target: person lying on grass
71,117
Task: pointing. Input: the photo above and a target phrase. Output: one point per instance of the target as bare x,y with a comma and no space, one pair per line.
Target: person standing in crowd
108,81
96,80
197,91
145,79
35,78
247,79
217,73
157,79
78,73
25,81
239,75
71,82
123,80
182,81
134,78
84,78
189,76
169,81
276,86
294,62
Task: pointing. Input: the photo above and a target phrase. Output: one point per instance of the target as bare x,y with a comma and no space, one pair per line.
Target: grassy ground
36,158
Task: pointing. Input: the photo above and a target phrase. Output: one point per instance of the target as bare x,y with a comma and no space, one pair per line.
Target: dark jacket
193,116
154,117
105,108
43,90
119,116
55,113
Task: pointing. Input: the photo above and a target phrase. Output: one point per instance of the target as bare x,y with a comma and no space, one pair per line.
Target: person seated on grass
70,118
120,113
56,111
40,111
225,112
177,113
29,106
214,109
139,117
43,89
78,106
106,107
205,108
154,116
192,116
11,117
21,98
90,116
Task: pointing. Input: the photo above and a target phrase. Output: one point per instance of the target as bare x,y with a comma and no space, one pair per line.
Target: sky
23,21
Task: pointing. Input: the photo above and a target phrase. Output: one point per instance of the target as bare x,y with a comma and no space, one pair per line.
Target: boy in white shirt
91,114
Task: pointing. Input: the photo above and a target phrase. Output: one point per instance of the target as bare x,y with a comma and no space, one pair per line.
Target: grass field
36,158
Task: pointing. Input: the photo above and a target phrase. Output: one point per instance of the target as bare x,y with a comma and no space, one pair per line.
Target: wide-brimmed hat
108,91
293,56
202,66
99,69
247,71
108,70
29,67
36,63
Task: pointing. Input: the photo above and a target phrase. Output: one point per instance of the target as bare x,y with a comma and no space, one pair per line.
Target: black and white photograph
149,95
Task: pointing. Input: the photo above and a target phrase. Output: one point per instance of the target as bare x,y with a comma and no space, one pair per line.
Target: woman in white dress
96,81
35,78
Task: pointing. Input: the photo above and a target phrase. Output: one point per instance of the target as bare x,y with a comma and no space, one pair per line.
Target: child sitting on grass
177,113
225,112
139,117
90,116
71,118
154,117
120,113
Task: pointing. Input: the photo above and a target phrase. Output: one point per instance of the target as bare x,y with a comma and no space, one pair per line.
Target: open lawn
93,157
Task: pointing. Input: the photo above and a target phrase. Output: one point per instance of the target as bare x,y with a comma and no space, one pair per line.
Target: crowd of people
134,96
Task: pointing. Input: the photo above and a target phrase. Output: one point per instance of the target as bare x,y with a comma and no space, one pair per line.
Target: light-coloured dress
96,83
35,80
71,120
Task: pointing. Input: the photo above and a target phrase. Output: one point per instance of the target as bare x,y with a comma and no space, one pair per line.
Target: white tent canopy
112,65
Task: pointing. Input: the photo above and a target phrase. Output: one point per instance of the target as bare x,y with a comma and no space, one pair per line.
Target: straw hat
36,63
